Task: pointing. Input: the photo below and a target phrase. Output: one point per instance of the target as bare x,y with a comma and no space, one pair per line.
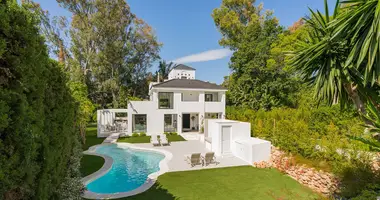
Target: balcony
214,107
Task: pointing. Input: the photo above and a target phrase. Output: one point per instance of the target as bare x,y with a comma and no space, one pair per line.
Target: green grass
146,139
91,137
227,183
90,164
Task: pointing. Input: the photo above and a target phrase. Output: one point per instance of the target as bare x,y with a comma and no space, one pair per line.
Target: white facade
182,74
228,137
189,102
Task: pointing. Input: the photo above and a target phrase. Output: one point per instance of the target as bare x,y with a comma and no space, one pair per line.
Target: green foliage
173,133
112,48
142,134
85,108
39,142
135,135
258,80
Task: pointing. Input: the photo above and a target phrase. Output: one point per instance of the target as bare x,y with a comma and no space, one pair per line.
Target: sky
188,32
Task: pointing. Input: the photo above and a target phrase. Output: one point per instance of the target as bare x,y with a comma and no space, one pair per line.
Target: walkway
180,149
112,138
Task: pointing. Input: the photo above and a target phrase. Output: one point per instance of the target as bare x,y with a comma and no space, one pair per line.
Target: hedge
39,141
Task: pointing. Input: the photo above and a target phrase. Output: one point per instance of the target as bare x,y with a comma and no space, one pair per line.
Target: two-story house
179,104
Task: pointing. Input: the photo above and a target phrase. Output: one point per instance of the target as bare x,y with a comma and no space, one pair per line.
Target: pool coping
108,161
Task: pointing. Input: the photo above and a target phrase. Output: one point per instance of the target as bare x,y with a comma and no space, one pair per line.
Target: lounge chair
209,158
194,159
154,140
164,140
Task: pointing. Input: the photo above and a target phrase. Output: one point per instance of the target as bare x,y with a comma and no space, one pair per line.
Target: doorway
226,139
185,121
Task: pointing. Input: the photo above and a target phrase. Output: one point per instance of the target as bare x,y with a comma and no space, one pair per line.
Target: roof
184,67
188,84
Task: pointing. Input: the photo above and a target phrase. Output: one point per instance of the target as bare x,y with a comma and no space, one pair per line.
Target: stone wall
320,181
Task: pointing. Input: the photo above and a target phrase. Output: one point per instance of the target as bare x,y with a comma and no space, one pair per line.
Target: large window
139,123
165,100
170,123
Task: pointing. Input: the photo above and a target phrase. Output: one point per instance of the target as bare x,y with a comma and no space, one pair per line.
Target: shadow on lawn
156,192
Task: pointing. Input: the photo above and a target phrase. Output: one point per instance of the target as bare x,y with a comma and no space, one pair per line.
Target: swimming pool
129,171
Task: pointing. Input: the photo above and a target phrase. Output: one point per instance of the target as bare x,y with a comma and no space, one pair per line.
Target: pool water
130,169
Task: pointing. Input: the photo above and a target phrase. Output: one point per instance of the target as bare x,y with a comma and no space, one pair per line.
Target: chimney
158,77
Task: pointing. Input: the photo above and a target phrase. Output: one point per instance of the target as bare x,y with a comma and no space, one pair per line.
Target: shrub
167,133
173,133
39,140
142,134
135,135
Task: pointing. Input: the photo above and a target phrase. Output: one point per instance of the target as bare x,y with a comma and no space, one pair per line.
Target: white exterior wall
178,73
155,116
242,144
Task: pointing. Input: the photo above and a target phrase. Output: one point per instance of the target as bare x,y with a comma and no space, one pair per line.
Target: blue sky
188,33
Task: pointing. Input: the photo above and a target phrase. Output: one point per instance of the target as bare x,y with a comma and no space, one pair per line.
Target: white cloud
204,56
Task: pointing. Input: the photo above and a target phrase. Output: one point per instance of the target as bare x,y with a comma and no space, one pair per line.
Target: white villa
194,109
179,104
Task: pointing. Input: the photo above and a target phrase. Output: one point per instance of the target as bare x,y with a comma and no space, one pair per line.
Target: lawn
227,183
90,164
146,139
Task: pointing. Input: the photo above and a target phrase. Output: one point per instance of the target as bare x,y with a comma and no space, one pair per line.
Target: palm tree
164,69
321,60
360,23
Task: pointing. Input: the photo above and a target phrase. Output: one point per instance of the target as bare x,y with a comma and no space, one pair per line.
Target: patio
180,149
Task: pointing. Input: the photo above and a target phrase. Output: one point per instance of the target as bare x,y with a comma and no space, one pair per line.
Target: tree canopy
258,78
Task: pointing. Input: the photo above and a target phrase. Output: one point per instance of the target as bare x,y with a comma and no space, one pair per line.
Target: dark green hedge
38,136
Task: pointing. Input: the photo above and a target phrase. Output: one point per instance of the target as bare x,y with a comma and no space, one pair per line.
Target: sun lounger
154,140
209,158
194,159
164,140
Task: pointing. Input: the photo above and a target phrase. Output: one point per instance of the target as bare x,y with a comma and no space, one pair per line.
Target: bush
39,140
142,134
173,133
135,135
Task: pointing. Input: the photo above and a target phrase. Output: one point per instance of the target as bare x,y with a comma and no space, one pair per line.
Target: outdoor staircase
190,136
112,138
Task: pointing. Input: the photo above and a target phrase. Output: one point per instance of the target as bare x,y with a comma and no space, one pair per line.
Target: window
165,100
170,123
139,123
208,97
211,97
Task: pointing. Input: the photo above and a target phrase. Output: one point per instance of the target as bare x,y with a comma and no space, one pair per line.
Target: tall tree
111,46
249,32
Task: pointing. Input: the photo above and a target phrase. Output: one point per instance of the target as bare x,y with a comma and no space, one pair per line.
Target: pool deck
180,149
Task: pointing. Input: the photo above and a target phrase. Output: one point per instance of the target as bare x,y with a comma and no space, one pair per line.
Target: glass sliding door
139,123
170,123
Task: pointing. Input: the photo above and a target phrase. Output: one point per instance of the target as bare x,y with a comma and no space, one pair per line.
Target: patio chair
164,140
209,158
194,159
154,140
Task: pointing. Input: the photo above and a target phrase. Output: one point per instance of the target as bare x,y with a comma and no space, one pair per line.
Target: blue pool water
129,171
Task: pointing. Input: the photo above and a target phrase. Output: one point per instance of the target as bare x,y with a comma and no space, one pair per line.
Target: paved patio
180,149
